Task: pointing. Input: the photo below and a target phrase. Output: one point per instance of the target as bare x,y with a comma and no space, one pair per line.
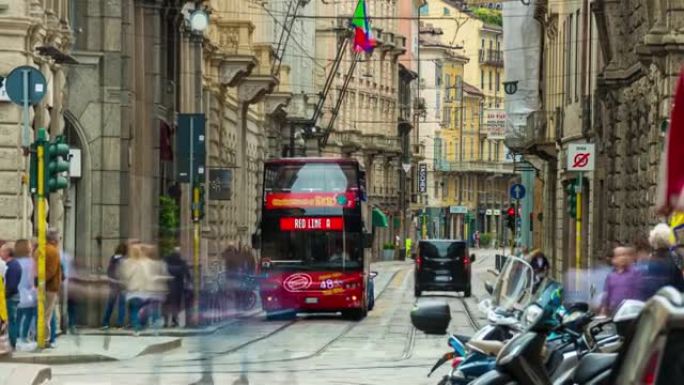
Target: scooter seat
592,365
491,348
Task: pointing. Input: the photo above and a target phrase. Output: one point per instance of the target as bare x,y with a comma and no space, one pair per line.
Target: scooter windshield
513,290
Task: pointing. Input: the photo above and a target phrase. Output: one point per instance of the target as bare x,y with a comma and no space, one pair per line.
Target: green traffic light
57,161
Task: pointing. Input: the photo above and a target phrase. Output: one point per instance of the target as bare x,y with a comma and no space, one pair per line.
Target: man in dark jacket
12,279
179,270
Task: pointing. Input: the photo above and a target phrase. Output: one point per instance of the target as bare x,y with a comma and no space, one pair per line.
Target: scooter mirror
488,286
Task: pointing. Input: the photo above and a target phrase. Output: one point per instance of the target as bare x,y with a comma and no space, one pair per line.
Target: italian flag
363,38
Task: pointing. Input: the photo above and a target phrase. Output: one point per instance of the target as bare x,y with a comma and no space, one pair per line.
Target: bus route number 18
327,284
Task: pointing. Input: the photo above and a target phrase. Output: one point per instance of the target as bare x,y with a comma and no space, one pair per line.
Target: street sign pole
196,247
40,322
26,140
578,232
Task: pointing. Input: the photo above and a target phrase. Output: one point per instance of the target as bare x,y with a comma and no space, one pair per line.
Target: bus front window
314,250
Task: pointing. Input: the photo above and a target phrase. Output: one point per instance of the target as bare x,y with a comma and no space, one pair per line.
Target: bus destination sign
310,200
311,223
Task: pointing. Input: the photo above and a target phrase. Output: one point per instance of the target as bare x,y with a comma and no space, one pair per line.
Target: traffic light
572,199
57,163
510,218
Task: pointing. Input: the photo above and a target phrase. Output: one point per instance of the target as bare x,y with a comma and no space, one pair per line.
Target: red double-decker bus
313,238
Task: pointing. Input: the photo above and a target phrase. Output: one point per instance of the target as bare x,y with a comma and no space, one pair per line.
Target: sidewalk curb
178,333
23,374
63,359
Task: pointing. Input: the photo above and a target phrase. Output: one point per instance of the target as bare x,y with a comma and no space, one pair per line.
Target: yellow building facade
469,151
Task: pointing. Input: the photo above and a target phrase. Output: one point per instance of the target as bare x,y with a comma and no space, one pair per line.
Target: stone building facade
643,46
37,34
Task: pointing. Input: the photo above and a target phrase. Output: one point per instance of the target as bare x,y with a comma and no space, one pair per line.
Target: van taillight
466,260
419,262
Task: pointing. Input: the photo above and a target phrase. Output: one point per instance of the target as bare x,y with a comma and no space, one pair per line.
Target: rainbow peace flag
363,37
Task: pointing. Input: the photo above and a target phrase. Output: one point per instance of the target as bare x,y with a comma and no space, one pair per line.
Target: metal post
578,232
196,248
26,140
41,218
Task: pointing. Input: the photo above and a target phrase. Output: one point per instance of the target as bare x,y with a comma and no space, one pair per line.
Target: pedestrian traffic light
572,199
57,159
510,218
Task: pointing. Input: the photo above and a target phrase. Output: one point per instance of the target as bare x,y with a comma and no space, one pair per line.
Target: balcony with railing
473,166
492,57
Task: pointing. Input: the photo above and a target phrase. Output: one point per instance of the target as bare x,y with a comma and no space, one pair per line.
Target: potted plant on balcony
388,251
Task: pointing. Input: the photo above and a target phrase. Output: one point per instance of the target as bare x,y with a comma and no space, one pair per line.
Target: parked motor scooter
521,361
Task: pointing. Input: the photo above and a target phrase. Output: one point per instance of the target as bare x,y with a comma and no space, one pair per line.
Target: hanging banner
522,50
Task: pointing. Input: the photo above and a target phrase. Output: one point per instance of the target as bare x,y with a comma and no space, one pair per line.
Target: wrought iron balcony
475,166
492,57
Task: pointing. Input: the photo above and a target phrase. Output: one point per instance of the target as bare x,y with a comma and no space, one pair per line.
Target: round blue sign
26,83
517,191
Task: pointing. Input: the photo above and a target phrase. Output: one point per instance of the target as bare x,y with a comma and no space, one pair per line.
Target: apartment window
490,80
424,10
482,78
489,150
483,43
472,148
445,188
498,83
446,117
446,11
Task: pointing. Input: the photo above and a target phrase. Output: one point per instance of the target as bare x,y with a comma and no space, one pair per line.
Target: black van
443,265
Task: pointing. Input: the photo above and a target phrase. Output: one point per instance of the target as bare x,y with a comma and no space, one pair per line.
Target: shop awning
379,218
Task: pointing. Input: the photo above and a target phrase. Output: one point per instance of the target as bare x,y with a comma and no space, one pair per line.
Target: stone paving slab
24,374
87,349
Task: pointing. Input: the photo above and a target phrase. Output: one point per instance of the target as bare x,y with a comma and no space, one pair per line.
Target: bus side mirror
367,240
256,241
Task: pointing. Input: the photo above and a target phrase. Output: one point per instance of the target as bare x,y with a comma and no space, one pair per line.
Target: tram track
271,334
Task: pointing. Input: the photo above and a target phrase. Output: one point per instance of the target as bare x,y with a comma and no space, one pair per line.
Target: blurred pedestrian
660,270
643,248
620,283
12,279
53,281
26,312
180,272
540,265
117,296
134,275
157,286
69,287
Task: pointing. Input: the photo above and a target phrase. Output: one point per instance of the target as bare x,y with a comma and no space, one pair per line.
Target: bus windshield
310,177
313,250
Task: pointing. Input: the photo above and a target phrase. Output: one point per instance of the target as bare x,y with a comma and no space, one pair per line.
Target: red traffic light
511,212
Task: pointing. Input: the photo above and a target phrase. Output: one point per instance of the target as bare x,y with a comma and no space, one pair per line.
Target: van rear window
451,250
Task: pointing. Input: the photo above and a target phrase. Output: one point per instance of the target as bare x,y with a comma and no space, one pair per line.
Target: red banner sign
310,200
311,223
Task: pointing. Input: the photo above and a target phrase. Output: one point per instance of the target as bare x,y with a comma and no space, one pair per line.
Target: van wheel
417,292
467,293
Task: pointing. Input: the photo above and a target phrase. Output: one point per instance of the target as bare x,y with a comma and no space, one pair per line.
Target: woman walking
135,277
26,311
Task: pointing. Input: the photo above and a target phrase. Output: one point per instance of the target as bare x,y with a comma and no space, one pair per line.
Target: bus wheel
355,314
